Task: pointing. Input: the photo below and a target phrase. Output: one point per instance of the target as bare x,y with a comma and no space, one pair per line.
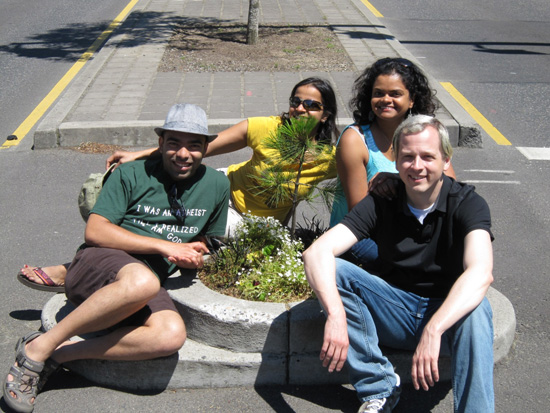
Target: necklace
388,140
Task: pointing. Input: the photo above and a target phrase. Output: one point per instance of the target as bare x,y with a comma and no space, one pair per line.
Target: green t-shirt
135,197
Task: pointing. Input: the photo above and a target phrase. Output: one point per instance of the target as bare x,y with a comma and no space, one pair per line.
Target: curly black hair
413,78
327,132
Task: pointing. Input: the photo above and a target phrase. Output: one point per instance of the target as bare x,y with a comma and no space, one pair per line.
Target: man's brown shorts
94,268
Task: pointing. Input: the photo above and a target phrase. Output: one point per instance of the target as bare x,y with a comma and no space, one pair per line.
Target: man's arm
320,271
465,295
100,232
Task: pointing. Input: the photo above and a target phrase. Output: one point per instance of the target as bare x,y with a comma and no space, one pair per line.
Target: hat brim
209,138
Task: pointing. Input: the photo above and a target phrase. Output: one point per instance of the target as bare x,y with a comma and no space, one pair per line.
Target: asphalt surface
39,42
41,225
495,54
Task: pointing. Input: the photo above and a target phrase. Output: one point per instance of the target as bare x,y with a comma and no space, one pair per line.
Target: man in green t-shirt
152,218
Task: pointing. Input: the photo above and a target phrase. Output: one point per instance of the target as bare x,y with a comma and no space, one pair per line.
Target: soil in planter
223,48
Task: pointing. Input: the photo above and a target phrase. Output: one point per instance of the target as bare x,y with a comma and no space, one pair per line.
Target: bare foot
56,273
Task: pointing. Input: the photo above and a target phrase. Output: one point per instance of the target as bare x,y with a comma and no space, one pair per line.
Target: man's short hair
416,124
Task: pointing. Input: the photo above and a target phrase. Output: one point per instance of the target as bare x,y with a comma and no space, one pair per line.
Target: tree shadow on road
70,42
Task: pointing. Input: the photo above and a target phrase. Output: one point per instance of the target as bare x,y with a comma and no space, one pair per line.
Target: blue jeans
365,253
380,314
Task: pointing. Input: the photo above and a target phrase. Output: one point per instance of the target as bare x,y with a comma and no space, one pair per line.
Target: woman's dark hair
413,78
327,132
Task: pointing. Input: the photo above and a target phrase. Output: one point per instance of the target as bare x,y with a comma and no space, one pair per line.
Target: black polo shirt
427,258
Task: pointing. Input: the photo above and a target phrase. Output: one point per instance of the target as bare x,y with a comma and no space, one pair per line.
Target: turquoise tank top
377,163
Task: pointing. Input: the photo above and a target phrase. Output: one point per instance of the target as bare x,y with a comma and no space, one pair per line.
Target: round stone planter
233,342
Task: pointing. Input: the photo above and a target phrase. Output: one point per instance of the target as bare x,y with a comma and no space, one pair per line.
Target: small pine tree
293,144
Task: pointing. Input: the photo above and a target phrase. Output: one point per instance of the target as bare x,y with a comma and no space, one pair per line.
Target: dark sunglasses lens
311,105
308,104
176,207
382,62
404,62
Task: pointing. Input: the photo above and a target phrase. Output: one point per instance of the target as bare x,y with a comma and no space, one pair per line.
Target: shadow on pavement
26,315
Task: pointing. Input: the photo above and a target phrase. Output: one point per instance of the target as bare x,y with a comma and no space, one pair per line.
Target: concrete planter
233,342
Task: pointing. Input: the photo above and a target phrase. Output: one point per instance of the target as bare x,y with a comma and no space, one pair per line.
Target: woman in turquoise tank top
384,95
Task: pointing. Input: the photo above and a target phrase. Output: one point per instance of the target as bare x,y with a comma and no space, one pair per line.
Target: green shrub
260,263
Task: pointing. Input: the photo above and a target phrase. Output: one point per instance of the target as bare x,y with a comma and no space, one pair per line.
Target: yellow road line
474,113
372,8
50,98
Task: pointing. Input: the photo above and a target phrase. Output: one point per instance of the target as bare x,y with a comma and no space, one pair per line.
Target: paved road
39,42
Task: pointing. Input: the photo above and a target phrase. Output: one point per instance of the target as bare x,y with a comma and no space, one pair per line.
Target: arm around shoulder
121,156
229,140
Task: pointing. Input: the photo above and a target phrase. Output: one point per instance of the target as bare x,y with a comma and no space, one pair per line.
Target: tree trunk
295,195
252,30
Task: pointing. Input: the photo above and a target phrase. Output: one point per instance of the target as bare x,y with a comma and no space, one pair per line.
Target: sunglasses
176,206
308,104
401,61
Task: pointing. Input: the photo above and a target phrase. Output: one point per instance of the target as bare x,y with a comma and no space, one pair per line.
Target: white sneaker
385,404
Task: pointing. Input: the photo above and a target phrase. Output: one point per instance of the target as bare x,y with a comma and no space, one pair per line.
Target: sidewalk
120,95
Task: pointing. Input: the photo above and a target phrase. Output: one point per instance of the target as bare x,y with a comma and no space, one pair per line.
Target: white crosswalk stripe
479,172
537,154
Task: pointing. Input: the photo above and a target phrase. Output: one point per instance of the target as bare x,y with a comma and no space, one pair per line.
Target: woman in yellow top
243,176
311,97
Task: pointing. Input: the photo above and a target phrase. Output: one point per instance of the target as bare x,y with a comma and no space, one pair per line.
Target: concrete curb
126,133
234,342
195,366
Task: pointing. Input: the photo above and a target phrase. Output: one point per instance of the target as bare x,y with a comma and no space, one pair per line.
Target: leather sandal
20,392
50,367
47,283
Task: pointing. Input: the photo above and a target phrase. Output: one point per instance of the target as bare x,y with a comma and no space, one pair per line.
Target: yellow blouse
244,189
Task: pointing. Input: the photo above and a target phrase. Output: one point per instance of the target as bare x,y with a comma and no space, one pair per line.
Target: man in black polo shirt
434,242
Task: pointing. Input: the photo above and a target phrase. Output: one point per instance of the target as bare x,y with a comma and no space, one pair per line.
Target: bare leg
162,334
135,285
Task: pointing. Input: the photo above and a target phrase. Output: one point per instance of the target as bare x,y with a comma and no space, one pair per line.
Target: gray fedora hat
184,117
